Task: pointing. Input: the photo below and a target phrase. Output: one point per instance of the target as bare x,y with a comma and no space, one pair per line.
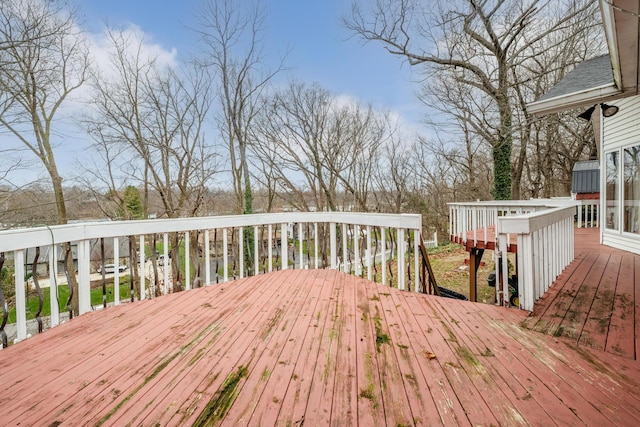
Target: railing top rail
528,223
47,235
551,203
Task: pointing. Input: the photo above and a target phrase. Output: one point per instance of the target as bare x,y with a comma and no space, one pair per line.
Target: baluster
53,286
416,259
265,251
241,254
357,255
69,304
166,263
284,246
215,253
307,240
187,261
207,258
300,244
132,269
233,253
270,246
346,254
34,276
102,269
257,241
401,258
5,307
333,246
256,249
315,247
225,255
392,246
143,273
383,254
154,265
368,254
116,273
197,280
376,238
409,258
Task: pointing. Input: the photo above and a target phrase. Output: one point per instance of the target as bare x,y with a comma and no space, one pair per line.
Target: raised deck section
484,238
314,347
594,302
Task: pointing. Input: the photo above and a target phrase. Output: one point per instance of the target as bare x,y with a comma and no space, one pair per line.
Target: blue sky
322,51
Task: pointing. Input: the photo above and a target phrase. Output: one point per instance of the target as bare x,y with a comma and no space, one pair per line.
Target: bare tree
44,60
476,42
320,150
156,117
232,34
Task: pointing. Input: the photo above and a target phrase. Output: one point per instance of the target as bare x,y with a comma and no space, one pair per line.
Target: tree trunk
502,152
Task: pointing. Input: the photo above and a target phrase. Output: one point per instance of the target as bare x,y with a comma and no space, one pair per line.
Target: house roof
586,84
596,80
588,75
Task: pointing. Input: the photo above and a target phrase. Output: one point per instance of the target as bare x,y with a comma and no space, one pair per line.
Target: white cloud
101,47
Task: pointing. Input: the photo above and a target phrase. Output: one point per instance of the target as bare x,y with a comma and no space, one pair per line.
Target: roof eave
583,98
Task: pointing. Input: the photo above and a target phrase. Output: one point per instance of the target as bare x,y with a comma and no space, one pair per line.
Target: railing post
333,245
84,280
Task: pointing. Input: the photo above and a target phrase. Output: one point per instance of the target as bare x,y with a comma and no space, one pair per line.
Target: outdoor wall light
609,110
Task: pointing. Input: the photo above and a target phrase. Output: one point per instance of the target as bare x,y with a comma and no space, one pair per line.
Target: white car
111,268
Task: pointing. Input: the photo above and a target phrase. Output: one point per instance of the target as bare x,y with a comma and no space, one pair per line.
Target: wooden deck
595,301
313,347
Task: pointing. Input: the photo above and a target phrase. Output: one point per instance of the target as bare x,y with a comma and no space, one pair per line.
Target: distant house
607,88
43,258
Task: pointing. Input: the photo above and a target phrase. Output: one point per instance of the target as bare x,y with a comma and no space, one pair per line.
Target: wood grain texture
316,348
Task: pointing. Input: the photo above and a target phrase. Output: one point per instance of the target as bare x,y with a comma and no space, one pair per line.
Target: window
611,190
631,220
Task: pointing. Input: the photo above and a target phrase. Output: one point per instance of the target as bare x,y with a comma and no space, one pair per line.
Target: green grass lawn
446,261
63,296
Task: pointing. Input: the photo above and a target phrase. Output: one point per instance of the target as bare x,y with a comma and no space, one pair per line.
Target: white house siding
619,131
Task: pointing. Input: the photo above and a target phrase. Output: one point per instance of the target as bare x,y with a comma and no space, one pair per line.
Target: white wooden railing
291,240
544,233
545,248
588,213
477,218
